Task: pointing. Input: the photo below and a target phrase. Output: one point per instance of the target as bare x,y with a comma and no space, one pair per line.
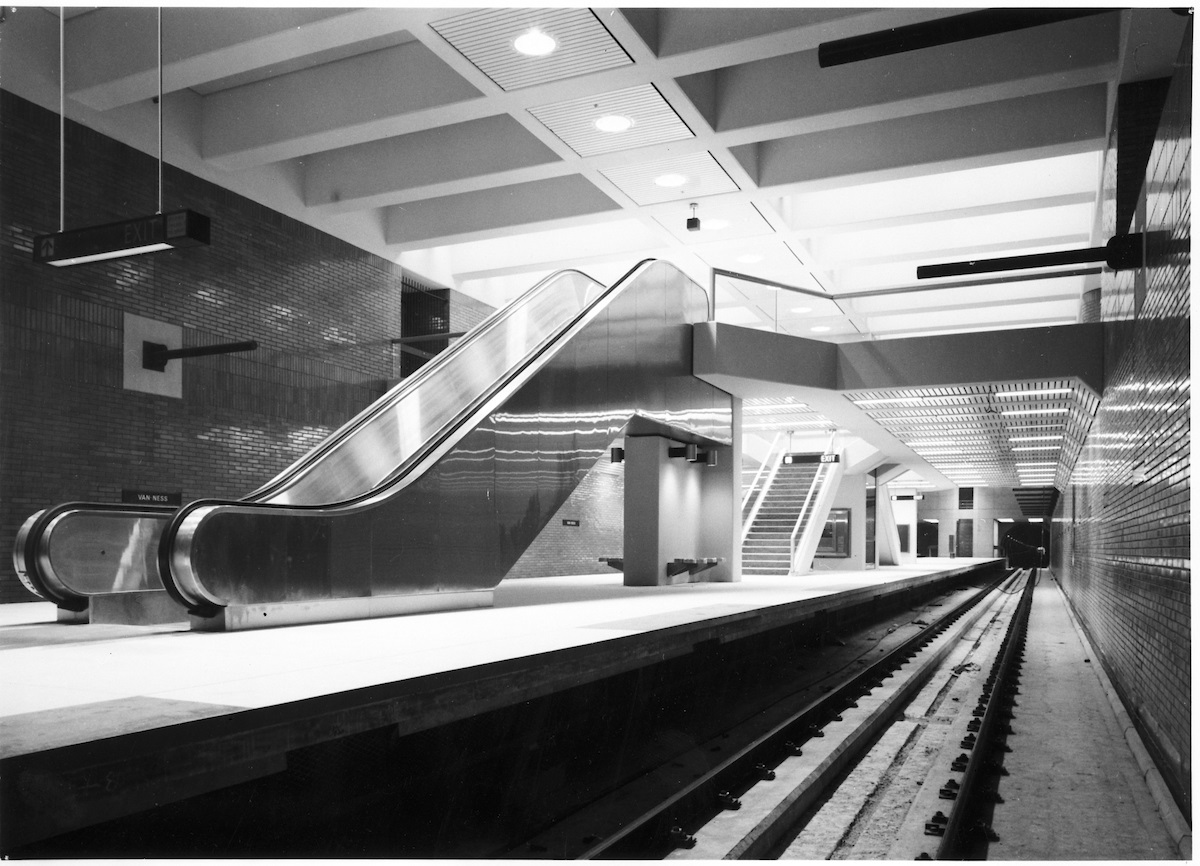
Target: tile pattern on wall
1122,526
322,311
594,527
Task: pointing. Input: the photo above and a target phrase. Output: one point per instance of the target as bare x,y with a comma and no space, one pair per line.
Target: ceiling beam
111,52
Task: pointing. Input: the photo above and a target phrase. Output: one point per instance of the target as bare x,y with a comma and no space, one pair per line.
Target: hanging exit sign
164,231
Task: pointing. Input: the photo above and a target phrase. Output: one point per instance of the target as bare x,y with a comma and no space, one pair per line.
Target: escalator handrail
429,449
402,389
38,569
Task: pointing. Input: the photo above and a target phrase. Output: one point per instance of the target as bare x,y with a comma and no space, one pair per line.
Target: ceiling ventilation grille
486,36
767,416
1025,434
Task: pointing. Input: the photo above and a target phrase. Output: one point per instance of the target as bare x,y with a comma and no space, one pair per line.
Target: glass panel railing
765,305
377,444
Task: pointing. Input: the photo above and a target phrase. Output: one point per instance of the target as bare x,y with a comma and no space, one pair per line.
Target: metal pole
62,122
160,125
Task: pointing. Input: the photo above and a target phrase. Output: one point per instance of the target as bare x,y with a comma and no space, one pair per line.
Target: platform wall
1122,527
322,310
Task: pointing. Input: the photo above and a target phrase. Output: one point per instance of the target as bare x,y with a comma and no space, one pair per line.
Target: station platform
101,721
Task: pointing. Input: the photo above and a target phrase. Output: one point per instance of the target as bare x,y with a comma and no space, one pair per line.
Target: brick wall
323,312
1122,527
466,312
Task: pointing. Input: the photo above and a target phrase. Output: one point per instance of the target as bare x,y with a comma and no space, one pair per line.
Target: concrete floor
1075,791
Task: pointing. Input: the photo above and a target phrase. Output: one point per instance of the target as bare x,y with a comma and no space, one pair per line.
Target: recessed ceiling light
801,309
882,400
820,329
613,123
1033,411
1038,393
535,43
750,258
671,179
715,225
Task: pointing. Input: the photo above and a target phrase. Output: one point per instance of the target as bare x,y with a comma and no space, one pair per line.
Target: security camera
693,223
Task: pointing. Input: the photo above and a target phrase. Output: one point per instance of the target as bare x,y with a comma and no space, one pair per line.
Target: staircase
767,548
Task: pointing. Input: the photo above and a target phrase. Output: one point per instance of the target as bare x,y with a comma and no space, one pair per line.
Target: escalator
436,488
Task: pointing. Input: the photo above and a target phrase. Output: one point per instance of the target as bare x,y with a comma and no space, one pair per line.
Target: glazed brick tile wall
323,312
598,503
1122,546
466,312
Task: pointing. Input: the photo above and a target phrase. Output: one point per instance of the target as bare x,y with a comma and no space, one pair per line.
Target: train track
879,765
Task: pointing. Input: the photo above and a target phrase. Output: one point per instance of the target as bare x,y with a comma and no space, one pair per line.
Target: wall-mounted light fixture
156,355
1121,253
692,454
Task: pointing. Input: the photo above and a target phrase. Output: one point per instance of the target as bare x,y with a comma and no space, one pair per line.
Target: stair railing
822,469
775,459
762,467
812,489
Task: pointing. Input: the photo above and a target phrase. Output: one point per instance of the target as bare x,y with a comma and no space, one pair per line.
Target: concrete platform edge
1173,818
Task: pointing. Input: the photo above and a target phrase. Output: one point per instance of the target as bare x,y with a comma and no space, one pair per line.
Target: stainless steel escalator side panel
464,513
76,550
366,451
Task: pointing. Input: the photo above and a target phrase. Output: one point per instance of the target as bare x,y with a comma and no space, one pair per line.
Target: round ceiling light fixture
820,329
613,123
670,179
535,43
716,225
750,258
801,310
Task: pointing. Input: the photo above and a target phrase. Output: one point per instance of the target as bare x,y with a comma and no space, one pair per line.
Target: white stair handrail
816,482
776,461
761,468
821,470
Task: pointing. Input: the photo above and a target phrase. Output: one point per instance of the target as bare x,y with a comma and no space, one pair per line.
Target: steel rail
979,740
770,748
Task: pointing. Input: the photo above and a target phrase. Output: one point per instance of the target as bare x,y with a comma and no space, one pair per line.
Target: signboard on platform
152,497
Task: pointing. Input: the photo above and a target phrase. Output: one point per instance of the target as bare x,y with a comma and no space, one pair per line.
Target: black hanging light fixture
941,31
162,231
1121,253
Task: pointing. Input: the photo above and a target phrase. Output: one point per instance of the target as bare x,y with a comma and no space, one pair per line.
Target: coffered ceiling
428,136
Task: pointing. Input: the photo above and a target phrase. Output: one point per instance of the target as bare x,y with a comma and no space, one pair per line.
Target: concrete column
676,509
